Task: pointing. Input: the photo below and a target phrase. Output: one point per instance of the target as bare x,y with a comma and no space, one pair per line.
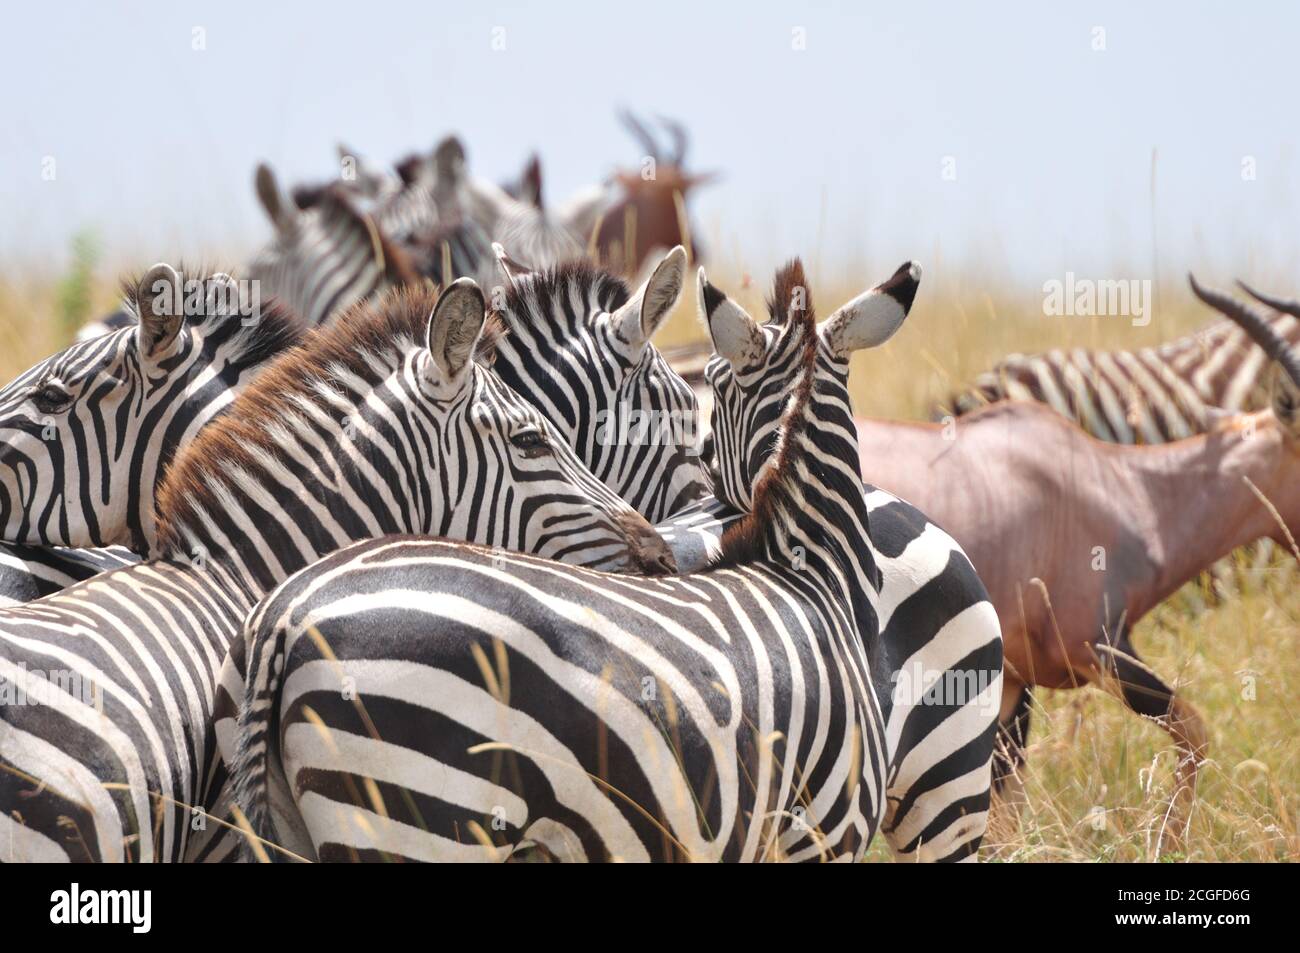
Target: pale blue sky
837,149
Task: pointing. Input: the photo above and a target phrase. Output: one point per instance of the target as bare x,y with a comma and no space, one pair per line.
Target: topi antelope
1077,539
650,213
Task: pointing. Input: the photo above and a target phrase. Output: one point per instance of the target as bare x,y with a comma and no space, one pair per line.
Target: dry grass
1087,752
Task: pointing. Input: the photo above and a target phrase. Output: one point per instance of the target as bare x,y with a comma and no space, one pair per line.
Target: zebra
368,184
579,348
386,423
326,258
562,357
323,258
1150,395
733,714
447,220
30,572
88,432
938,629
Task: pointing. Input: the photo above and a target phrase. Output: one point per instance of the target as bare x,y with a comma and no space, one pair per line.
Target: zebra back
1150,395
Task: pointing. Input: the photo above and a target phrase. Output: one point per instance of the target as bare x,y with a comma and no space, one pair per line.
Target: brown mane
746,539
369,341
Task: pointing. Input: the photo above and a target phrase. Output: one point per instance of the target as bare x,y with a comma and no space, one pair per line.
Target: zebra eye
529,440
50,398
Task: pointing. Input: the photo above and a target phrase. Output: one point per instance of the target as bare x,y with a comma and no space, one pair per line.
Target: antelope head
1285,402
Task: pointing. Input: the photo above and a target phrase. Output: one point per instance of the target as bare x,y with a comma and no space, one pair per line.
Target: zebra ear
872,318
637,320
159,303
455,326
269,194
736,336
511,269
449,160
530,183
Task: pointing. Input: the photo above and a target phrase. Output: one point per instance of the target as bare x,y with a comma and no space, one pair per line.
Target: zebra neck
266,530
822,531
810,514
225,356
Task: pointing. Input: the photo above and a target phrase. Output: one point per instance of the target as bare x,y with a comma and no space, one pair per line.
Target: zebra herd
395,560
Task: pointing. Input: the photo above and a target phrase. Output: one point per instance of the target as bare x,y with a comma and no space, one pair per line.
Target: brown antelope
1077,539
650,212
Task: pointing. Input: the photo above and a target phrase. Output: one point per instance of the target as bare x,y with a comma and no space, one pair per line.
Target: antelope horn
1254,324
678,132
640,133
1291,307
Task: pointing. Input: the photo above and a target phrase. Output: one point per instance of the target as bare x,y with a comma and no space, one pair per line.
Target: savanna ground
1098,777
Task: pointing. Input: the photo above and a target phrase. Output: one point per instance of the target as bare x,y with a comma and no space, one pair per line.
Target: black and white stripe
579,348
1150,395
384,424
323,259
86,435
731,714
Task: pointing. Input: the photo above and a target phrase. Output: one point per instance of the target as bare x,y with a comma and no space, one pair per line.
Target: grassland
1097,776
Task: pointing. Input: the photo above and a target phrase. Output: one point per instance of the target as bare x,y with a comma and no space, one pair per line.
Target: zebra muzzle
649,554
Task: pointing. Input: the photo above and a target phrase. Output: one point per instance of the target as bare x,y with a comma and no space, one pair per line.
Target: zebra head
387,423
579,349
755,365
325,258
86,434
369,183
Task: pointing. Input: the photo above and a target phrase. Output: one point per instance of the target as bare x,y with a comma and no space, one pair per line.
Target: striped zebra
940,638
1150,395
326,258
563,357
384,423
433,193
447,219
32,572
579,348
367,183
88,433
322,259
517,705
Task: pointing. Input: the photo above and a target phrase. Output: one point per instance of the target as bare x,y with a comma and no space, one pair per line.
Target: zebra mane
532,299
276,330
367,343
789,278
746,539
